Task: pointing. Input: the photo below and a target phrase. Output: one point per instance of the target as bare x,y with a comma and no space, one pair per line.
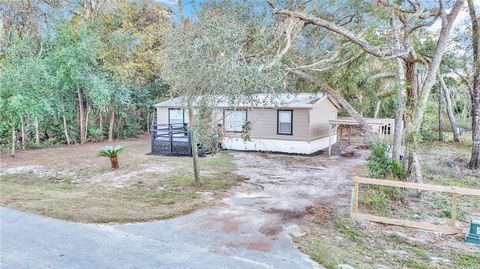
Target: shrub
112,153
381,165
95,134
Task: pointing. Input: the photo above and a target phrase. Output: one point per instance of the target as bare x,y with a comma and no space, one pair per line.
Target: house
289,123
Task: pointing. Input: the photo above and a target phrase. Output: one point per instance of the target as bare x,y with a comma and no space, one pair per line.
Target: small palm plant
112,153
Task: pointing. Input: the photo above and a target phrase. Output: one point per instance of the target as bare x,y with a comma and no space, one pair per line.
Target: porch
172,140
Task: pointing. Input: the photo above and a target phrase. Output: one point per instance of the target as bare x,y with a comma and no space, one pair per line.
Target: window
234,120
176,116
284,122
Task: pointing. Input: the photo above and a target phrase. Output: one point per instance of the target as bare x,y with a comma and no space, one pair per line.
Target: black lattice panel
170,141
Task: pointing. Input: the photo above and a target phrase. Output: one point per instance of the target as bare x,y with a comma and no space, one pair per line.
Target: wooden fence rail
355,214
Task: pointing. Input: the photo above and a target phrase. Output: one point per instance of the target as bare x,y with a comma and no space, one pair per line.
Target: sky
188,6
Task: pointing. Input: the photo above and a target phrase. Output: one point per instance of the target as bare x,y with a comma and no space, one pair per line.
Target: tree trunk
344,103
148,122
81,110
398,133
475,96
12,153
86,123
196,171
411,161
377,109
112,124
65,130
100,123
440,120
434,64
114,162
448,104
22,121
37,132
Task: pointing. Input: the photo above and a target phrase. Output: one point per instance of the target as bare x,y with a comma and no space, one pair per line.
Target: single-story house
289,123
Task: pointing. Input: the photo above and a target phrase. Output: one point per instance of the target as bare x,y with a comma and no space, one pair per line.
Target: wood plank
355,198
417,186
407,223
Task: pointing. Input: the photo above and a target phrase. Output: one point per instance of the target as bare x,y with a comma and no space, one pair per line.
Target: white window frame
238,127
170,116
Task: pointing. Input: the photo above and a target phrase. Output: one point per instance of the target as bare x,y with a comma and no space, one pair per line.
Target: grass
74,185
336,239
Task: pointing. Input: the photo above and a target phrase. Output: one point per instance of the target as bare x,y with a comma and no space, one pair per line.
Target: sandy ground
250,228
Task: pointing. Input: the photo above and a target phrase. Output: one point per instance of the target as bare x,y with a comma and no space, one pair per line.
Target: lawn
334,240
71,183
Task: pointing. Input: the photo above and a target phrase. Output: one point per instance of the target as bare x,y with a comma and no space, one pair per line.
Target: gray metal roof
284,100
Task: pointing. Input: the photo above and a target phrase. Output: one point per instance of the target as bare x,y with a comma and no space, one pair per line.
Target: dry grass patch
334,240
73,184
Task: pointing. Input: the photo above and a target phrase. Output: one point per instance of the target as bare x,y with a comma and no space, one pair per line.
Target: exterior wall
273,145
310,129
162,115
264,125
320,114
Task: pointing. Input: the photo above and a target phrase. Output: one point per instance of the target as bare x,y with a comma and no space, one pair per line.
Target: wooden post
329,139
454,209
170,137
349,134
355,197
341,135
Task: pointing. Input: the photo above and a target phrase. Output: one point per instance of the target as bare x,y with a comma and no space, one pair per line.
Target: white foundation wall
271,145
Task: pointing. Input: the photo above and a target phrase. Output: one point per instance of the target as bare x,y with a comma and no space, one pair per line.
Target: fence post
355,196
454,209
189,140
170,137
153,133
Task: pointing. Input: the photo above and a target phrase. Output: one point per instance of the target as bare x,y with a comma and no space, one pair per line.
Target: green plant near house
381,165
112,153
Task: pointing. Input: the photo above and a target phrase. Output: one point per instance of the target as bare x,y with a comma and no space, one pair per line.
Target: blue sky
188,7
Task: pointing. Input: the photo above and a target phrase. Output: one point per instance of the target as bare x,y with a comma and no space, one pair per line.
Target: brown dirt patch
257,246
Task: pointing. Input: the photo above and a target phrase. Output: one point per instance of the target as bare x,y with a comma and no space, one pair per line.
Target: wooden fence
455,191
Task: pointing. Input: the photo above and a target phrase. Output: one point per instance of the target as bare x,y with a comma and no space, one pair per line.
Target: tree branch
367,47
339,98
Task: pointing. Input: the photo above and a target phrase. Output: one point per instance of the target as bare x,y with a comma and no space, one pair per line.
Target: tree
448,107
411,18
475,94
228,50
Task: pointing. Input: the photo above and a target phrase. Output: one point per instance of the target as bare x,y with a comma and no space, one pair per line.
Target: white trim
272,145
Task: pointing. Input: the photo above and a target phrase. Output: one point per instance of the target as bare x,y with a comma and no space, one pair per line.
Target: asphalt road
250,228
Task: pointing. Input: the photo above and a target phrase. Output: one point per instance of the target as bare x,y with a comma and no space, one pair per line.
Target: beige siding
308,124
162,115
264,125
320,114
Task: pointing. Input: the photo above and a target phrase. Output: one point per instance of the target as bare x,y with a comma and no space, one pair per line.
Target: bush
381,165
95,134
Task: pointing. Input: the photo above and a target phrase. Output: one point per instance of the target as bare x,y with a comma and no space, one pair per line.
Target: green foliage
111,59
381,165
95,134
246,130
110,152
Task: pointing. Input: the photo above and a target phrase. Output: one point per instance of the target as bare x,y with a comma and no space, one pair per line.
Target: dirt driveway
250,228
